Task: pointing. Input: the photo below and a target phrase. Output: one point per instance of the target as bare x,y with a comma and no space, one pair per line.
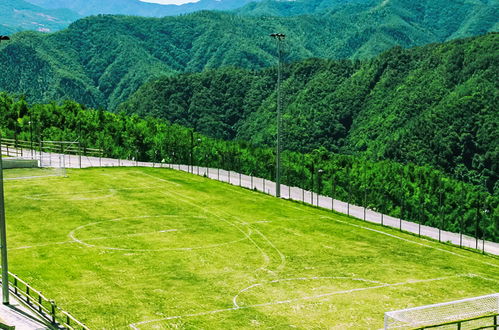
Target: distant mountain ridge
101,60
19,15
55,15
138,8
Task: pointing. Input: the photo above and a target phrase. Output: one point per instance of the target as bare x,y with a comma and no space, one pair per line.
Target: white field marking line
264,254
40,245
89,239
244,223
90,191
484,278
132,235
111,194
155,177
31,177
72,235
281,255
135,325
408,240
183,199
234,300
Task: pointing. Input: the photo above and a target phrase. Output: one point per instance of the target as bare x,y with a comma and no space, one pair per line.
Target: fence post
483,241
15,285
39,303
16,146
401,213
349,192
312,186
27,295
332,195
476,224
461,232
52,311
79,153
334,192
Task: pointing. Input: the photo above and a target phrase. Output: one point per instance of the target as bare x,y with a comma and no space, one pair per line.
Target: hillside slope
430,105
19,15
101,60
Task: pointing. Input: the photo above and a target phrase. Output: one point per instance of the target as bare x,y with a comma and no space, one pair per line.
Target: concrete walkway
268,187
16,314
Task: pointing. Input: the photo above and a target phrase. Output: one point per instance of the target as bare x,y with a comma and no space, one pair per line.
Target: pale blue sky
170,2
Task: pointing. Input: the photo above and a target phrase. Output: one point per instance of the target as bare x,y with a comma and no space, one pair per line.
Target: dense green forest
417,193
434,105
101,60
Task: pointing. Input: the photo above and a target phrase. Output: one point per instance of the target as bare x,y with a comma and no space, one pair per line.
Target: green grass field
156,248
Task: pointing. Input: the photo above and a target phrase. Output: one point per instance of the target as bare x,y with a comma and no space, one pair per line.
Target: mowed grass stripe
152,279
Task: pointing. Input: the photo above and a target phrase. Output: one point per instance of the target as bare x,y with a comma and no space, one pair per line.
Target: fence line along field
149,248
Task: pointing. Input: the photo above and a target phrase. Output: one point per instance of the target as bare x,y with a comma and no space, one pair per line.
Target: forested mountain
436,105
101,60
138,8
19,15
299,7
429,15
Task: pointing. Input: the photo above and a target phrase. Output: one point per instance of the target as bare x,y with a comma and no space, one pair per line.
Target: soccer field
156,248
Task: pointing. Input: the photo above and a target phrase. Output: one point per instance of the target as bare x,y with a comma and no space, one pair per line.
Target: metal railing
462,324
41,305
14,147
36,149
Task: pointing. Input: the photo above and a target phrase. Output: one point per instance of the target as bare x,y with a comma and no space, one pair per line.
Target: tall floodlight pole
3,232
279,37
3,243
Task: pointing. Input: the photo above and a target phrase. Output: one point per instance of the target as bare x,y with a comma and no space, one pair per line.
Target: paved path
16,314
266,186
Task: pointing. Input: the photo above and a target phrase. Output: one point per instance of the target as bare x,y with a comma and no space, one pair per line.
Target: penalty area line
138,324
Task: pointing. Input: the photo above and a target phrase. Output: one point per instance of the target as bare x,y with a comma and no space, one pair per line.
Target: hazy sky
170,2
